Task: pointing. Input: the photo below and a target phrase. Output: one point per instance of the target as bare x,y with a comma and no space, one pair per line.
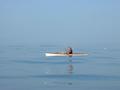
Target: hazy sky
59,21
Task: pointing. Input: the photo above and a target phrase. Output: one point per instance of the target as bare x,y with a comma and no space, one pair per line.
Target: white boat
64,54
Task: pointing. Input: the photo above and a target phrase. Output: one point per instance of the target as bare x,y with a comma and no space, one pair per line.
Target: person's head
69,48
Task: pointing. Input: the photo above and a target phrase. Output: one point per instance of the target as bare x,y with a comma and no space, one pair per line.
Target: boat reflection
70,69
64,79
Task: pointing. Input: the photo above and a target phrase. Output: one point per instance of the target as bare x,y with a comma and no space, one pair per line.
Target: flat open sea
27,68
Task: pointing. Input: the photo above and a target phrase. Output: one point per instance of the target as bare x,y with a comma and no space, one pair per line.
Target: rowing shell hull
64,54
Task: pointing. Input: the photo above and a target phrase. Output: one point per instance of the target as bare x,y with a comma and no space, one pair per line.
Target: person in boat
69,51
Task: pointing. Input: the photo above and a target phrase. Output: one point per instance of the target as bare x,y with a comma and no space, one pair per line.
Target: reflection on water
60,79
70,69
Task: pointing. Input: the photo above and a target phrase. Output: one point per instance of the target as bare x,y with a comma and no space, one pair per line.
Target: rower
69,51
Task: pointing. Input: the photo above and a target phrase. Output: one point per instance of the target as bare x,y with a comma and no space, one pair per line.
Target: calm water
26,68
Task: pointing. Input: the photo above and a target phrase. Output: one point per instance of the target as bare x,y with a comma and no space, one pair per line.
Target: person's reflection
70,67
70,70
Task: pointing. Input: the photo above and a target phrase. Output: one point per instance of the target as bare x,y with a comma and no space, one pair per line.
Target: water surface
26,68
